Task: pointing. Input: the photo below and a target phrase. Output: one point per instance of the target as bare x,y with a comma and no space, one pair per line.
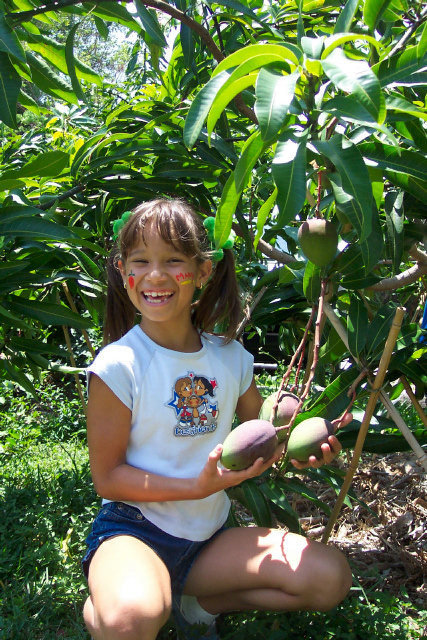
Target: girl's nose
155,272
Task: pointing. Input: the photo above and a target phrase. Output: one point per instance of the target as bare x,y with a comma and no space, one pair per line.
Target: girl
159,543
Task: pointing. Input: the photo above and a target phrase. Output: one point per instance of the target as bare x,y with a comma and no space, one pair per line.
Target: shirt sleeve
247,361
113,365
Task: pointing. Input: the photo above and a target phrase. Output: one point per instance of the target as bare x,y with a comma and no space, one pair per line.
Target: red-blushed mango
318,240
307,437
246,443
288,402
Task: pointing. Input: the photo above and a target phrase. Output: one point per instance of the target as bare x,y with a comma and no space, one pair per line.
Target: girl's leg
268,569
130,591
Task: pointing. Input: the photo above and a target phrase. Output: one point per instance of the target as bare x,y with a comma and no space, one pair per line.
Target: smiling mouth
157,297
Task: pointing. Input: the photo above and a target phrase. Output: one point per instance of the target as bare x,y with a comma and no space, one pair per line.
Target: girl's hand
330,449
213,478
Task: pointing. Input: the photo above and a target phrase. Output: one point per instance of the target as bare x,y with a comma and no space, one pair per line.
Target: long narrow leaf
9,42
357,78
355,188
10,87
289,174
200,107
150,24
290,53
394,225
357,326
69,57
346,16
372,12
48,313
274,94
229,91
257,504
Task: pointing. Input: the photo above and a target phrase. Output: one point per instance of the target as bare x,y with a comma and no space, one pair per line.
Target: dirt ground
384,538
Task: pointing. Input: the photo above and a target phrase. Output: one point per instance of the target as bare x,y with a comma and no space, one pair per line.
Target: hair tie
218,251
120,223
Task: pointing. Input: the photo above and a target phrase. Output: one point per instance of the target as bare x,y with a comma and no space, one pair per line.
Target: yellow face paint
185,278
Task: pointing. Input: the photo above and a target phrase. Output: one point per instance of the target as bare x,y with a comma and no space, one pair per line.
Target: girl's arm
108,429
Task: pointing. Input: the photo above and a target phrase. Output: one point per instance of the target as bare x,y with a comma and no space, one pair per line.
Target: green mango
247,442
288,402
318,240
307,437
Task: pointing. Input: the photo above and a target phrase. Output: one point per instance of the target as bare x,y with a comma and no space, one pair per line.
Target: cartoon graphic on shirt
194,404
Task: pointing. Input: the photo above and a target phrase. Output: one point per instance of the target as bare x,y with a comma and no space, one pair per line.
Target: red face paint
131,280
185,278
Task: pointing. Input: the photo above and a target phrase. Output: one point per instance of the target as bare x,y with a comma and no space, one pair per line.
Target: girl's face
161,280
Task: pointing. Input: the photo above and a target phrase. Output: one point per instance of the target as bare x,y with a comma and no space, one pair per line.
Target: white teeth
158,296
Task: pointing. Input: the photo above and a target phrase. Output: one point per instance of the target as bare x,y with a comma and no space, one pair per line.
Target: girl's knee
334,580
130,618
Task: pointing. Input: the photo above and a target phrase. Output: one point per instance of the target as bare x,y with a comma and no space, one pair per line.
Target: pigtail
119,311
219,306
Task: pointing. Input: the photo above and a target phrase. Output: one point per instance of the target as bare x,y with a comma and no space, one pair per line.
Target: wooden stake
418,408
370,407
419,452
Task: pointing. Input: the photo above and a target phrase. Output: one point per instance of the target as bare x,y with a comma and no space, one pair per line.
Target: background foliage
264,113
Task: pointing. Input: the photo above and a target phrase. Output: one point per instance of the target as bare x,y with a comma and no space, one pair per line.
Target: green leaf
200,107
372,246
113,12
10,87
263,214
48,81
357,326
45,165
257,503
150,24
274,94
272,52
275,493
12,267
13,319
333,400
36,228
298,486
400,66
9,42
378,330
69,57
414,186
312,282
251,151
15,374
229,90
372,12
358,79
102,27
289,174
392,159
36,346
48,313
233,187
240,8
397,103
352,191
393,206
346,16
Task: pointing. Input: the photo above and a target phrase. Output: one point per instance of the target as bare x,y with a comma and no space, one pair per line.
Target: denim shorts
119,518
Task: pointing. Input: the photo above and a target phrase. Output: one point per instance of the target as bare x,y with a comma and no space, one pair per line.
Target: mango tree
280,119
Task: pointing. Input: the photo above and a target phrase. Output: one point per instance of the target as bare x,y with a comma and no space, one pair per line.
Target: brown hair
218,307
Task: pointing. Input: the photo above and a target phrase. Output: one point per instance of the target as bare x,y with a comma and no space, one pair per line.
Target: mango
247,442
318,240
306,438
288,402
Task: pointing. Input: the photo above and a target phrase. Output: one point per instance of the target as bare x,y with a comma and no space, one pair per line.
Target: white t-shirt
182,406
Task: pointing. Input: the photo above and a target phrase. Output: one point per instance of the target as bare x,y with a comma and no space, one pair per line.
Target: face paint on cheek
131,280
185,278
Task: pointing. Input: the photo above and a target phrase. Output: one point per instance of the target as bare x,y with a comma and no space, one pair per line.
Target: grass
47,505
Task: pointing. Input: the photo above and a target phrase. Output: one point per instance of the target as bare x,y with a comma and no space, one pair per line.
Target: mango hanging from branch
318,240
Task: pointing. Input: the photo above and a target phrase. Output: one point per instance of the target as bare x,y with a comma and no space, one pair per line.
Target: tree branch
402,279
404,39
